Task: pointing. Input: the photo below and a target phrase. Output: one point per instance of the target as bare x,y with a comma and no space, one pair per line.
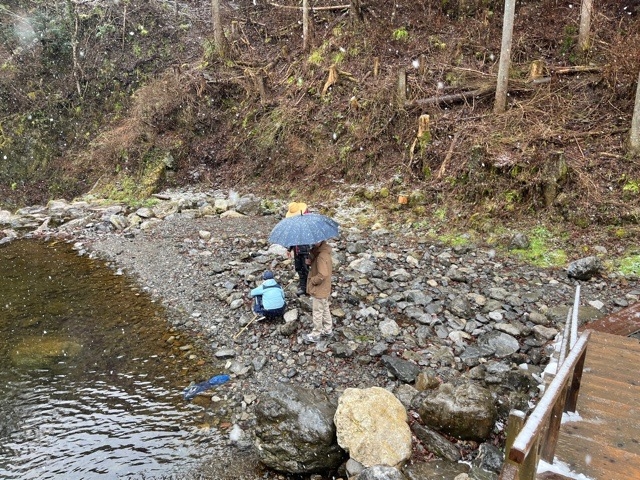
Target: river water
89,384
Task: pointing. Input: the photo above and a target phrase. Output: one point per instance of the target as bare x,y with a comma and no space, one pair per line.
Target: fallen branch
453,98
290,7
576,69
447,158
591,133
255,317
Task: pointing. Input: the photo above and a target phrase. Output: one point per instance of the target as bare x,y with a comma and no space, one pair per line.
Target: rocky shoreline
410,314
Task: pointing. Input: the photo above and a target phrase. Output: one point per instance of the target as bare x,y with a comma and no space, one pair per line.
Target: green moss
540,253
630,265
316,57
400,34
454,239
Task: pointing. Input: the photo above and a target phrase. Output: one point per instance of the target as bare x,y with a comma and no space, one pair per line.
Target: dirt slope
266,116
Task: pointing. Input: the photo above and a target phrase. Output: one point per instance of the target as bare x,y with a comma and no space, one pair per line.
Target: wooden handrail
539,417
538,437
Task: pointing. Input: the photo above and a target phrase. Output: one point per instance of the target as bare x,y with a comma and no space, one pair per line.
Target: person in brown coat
319,288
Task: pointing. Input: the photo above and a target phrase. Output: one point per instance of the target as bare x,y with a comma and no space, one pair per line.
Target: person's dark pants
260,310
303,271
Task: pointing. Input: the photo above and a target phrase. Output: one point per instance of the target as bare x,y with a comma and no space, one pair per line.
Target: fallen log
317,9
575,69
453,98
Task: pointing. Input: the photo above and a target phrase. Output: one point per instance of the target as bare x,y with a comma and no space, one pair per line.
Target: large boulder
295,431
372,426
466,411
248,205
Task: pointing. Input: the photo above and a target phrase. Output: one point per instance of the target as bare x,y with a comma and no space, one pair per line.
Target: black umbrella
303,230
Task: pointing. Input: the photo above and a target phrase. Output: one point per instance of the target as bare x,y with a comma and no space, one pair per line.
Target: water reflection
88,386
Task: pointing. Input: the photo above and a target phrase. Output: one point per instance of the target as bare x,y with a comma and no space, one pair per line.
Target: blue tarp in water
192,390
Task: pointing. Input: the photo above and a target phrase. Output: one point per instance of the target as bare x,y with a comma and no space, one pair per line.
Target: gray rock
405,394
362,265
502,343
120,222
295,431
473,353
225,353
489,458
545,333
403,370
436,443
378,349
584,268
465,411
519,241
436,470
380,472
389,328
460,306
248,205
341,350
259,362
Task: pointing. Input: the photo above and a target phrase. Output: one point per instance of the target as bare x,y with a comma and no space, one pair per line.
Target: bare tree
505,57
585,24
634,136
305,25
218,33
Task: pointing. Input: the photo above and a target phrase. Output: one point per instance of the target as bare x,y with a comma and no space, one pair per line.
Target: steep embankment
283,120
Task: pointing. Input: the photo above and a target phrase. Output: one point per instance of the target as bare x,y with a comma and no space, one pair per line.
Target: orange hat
296,208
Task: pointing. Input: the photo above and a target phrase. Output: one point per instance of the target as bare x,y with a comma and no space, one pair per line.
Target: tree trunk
585,24
218,32
634,137
305,25
355,11
505,57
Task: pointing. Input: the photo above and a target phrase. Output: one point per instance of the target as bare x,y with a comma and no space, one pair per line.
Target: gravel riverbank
396,294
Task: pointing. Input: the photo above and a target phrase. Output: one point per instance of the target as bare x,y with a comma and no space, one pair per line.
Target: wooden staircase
598,379
605,441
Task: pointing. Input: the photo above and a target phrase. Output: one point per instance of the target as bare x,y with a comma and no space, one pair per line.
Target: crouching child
269,297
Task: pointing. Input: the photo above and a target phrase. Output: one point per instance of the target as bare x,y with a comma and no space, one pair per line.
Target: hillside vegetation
123,98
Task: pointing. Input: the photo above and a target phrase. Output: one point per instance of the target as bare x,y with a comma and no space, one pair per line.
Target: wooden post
514,425
574,317
530,465
510,471
566,339
576,380
376,66
422,67
401,92
550,439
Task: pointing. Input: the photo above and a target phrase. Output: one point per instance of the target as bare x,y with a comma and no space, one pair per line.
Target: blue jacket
272,294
